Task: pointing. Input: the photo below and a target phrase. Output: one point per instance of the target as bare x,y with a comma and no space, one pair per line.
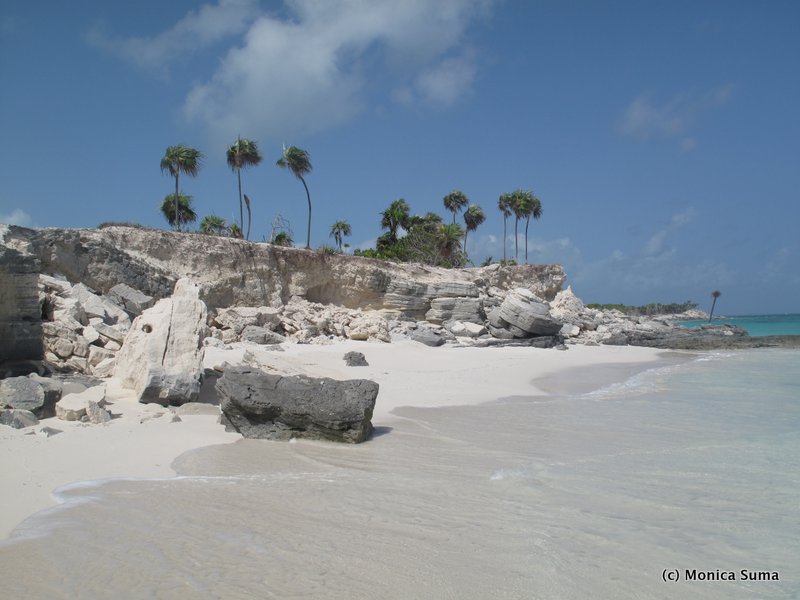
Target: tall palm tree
505,203
396,216
180,159
339,230
473,217
715,294
455,202
242,153
533,208
184,214
299,163
518,207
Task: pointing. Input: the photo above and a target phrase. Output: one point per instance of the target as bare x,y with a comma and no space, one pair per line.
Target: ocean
681,481
756,325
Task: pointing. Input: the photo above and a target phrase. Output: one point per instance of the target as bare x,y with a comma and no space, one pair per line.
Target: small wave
510,473
646,382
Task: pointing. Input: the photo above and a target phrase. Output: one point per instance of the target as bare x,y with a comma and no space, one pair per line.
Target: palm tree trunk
516,239
527,222
241,210
466,232
308,197
711,316
177,222
505,239
249,218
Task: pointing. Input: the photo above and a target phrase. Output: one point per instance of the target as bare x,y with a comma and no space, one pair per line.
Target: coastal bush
673,308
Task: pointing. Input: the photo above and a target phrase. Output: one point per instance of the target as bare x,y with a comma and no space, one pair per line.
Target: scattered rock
263,405
27,394
131,300
355,359
427,336
96,413
18,418
73,407
49,431
260,335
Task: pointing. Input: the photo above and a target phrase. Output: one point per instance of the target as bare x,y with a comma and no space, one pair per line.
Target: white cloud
315,63
199,28
657,243
17,217
645,119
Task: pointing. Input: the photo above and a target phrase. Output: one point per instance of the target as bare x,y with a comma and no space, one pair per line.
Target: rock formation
280,407
161,358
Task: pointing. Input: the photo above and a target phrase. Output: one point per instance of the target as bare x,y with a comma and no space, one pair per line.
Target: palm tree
473,217
184,214
533,208
213,225
283,238
180,159
715,294
449,241
396,216
299,163
505,204
455,202
339,230
242,153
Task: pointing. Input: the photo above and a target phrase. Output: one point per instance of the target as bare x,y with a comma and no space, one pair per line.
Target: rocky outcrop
161,359
522,315
281,407
20,312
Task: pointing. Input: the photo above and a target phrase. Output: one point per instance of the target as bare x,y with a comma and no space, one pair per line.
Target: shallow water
687,466
756,325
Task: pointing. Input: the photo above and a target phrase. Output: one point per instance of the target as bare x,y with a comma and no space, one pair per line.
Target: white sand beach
142,441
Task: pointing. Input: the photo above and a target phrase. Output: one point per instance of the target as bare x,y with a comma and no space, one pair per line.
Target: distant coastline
755,325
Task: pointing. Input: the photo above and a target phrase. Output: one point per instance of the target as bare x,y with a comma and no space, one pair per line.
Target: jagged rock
131,300
455,309
28,394
260,335
63,347
18,418
73,407
99,306
213,342
115,334
542,341
568,330
368,328
269,406
90,334
105,368
523,310
355,359
427,336
96,413
461,329
98,354
161,359
239,317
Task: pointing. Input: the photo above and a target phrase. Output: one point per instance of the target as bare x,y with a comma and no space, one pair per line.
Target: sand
142,441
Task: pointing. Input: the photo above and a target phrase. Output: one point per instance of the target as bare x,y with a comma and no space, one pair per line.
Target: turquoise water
757,325
687,467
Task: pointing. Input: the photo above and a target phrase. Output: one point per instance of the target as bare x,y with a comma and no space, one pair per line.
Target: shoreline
143,441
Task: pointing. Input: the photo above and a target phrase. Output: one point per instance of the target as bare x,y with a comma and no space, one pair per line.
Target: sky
662,138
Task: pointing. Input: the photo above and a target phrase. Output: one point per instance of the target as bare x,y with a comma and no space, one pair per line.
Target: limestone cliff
233,272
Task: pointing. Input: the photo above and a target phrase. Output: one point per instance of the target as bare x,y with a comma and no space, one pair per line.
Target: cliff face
234,272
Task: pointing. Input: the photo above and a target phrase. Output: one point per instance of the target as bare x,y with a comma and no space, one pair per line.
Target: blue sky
663,138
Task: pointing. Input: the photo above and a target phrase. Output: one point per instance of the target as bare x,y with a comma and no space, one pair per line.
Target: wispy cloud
199,28
646,119
17,217
315,64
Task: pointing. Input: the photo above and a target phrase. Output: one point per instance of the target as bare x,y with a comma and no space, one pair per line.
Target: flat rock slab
270,406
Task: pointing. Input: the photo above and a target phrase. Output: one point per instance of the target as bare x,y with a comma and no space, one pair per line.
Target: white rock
161,359
72,407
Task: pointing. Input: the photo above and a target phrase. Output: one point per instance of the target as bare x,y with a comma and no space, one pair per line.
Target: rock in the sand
523,310
161,359
269,406
96,413
18,418
26,393
132,301
261,335
49,431
73,407
355,359
427,336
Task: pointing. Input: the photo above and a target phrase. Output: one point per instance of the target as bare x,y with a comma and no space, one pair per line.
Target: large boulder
26,393
132,301
524,314
161,359
469,310
280,407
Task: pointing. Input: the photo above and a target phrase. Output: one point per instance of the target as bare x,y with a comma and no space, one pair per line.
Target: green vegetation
178,211
473,217
213,225
504,204
299,163
243,153
455,202
283,238
180,159
647,309
339,231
